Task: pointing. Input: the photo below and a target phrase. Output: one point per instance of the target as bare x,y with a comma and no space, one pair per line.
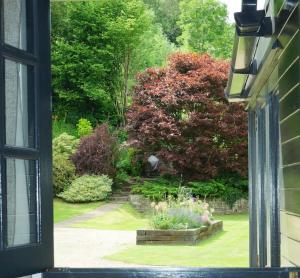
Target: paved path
89,215
78,247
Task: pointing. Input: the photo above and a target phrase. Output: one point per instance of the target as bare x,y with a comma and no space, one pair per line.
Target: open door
26,225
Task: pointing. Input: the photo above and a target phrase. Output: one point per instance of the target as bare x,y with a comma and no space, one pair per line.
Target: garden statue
153,165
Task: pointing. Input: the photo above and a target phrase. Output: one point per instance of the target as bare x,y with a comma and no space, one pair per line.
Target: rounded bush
88,188
97,153
63,173
64,144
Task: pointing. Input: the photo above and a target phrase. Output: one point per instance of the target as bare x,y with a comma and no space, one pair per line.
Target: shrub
122,135
84,127
65,145
180,114
63,173
60,126
88,189
97,154
184,212
207,189
127,162
121,178
229,189
157,190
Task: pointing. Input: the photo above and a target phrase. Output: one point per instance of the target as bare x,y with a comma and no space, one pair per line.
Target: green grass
226,249
64,211
125,218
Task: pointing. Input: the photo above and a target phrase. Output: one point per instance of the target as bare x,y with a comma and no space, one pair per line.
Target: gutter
251,25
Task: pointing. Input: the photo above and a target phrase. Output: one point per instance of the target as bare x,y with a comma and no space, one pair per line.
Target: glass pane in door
15,23
22,196
19,111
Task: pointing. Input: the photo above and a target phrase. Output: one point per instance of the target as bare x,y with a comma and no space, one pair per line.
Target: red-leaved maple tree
180,114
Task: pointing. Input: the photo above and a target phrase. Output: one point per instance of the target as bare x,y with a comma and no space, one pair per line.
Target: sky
235,6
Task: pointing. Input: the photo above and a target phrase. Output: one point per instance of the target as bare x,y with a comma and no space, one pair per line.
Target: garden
144,140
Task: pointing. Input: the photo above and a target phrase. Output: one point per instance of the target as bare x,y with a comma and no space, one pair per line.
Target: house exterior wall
274,135
289,117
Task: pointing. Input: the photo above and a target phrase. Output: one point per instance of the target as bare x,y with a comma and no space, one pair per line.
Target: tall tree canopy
95,49
167,14
205,27
180,114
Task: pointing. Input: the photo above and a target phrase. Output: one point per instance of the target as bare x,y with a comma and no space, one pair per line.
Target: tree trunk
127,61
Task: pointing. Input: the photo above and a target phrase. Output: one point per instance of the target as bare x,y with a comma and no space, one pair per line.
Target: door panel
26,217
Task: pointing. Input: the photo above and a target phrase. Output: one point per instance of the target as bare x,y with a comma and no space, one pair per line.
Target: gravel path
82,248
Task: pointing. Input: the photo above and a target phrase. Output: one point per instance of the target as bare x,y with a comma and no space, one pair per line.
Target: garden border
177,237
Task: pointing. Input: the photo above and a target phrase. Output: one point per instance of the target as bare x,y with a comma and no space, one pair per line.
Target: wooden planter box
177,237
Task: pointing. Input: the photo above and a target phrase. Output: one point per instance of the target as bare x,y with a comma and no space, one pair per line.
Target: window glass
15,23
21,202
19,112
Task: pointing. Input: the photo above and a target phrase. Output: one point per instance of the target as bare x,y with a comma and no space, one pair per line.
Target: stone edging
177,237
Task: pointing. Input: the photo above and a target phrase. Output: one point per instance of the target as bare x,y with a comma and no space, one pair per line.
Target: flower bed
177,237
181,220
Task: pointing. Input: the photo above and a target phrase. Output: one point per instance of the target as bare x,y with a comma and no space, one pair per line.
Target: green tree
153,51
126,29
85,71
167,15
205,27
92,48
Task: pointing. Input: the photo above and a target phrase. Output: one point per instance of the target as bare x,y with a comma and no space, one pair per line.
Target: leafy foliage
180,114
60,126
152,51
125,160
205,27
64,145
229,189
167,14
63,173
63,170
97,153
96,52
127,163
84,127
91,57
221,189
157,190
88,189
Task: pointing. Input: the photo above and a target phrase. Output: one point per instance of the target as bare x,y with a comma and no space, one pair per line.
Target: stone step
149,179
126,189
120,198
120,194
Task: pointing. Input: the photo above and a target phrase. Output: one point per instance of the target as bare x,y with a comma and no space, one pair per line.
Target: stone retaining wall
143,205
177,237
140,203
220,207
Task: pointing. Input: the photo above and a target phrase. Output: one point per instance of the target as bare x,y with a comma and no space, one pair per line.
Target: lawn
125,218
64,211
226,249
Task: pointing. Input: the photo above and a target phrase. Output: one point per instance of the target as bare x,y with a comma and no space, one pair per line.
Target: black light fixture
251,22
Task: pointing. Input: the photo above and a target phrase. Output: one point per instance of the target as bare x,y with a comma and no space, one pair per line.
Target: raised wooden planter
177,237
